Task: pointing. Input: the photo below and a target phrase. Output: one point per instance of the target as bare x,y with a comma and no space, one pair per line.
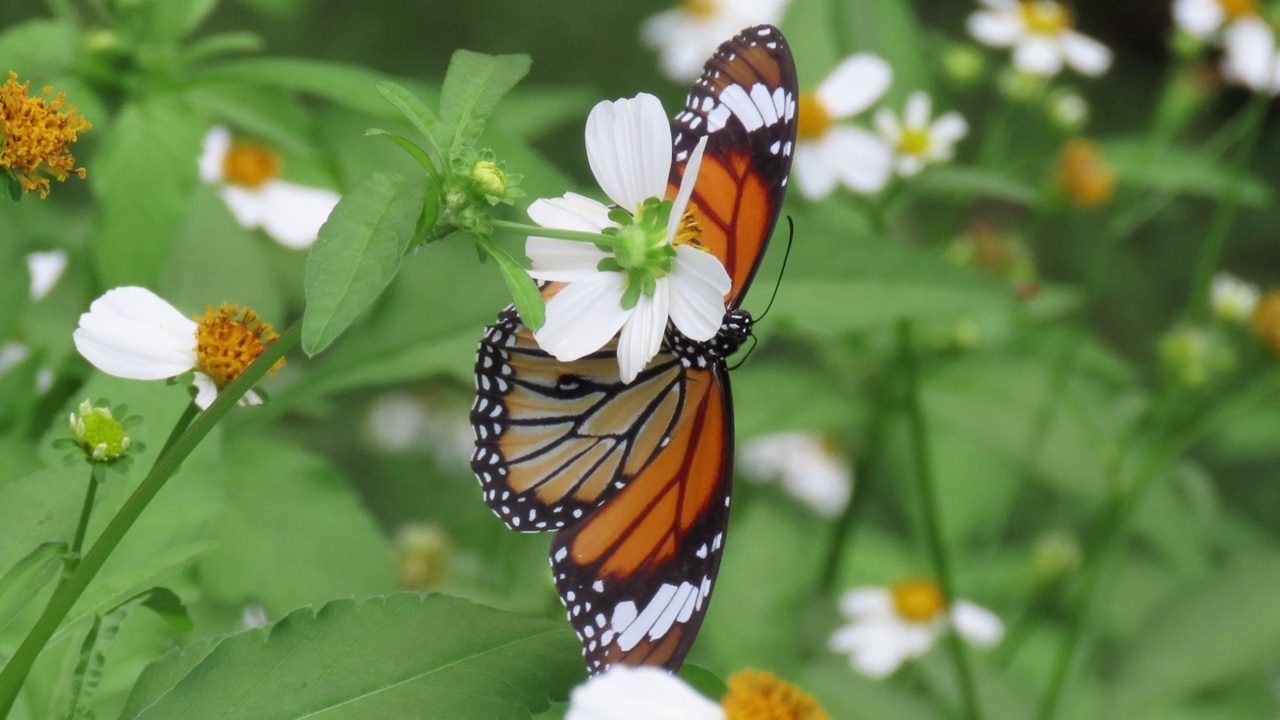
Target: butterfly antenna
791,234
750,350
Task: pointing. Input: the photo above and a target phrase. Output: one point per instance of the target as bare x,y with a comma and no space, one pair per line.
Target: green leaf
154,145
37,48
1182,172
398,656
357,254
351,86
172,20
24,580
271,550
419,115
14,284
957,181
472,88
40,508
524,291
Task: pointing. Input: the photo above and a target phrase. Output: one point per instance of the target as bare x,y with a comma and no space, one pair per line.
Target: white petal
206,390
976,624
1007,7
876,648
642,693
296,212
910,165
250,398
887,125
1084,54
814,170
1250,53
571,212
12,354
46,269
130,332
687,181
250,206
216,145
855,85
861,601
629,149
583,317
562,260
995,29
1038,56
698,284
948,129
641,336
1201,18
862,160
919,108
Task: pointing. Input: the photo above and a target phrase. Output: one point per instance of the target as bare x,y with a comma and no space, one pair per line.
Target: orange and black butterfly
635,478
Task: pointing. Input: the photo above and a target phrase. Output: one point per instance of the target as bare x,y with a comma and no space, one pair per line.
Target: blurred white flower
1068,110
1250,57
247,178
46,269
639,693
889,626
1232,299
130,332
828,153
12,354
687,35
1042,35
1204,18
916,140
398,422
630,294
805,465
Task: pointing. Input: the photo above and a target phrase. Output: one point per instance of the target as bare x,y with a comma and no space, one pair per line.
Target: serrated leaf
472,88
524,291
24,580
357,254
154,145
398,656
351,86
419,115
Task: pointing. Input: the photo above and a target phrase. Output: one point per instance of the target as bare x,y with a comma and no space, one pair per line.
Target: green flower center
641,250
99,433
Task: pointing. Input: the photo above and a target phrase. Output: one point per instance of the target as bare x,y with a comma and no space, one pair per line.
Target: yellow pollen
813,119
689,230
36,134
701,8
918,600
228,340
915,141
1083,175
756,695
1045,17
1266,319
1236,9
249,164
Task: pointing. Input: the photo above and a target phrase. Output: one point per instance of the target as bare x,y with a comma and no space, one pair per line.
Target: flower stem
919,441
81,527
14,674
557,233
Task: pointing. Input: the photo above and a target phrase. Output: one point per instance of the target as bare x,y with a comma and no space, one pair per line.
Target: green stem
923,474
65,595
1225,213
557,233
89,496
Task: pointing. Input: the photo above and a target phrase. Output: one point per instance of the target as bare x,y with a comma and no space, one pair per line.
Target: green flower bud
98,432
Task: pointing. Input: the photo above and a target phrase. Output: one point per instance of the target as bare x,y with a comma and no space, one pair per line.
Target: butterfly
635,478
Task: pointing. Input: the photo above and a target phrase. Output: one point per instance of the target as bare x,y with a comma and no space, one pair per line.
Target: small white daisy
687,35
653,275
805,465
130,332
1250,57
246,177
916,141
828,153
889,626
46,270
1232,299
1042,35
1204,18
649,693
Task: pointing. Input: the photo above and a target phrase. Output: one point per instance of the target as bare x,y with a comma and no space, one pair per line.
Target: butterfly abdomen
734,330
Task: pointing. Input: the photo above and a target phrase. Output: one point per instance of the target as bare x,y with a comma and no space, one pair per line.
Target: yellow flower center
701,8
1045,17
915,141
1236,9
228,340
689,230
756,695
37,133
249,164
813,119
918,600
1266,319
1083,175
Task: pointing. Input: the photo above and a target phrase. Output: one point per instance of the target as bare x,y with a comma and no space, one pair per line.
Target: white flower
828,153
399,422
245,175
130,332
806,467
1232,299
46,269
687,35
889,626
917,141
12,354
1203,18
629,150
1041,35
639,693
1250,57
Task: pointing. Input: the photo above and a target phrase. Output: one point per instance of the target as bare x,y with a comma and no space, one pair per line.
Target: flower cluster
687,35
1249,47
36,135
1042,35
806,466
